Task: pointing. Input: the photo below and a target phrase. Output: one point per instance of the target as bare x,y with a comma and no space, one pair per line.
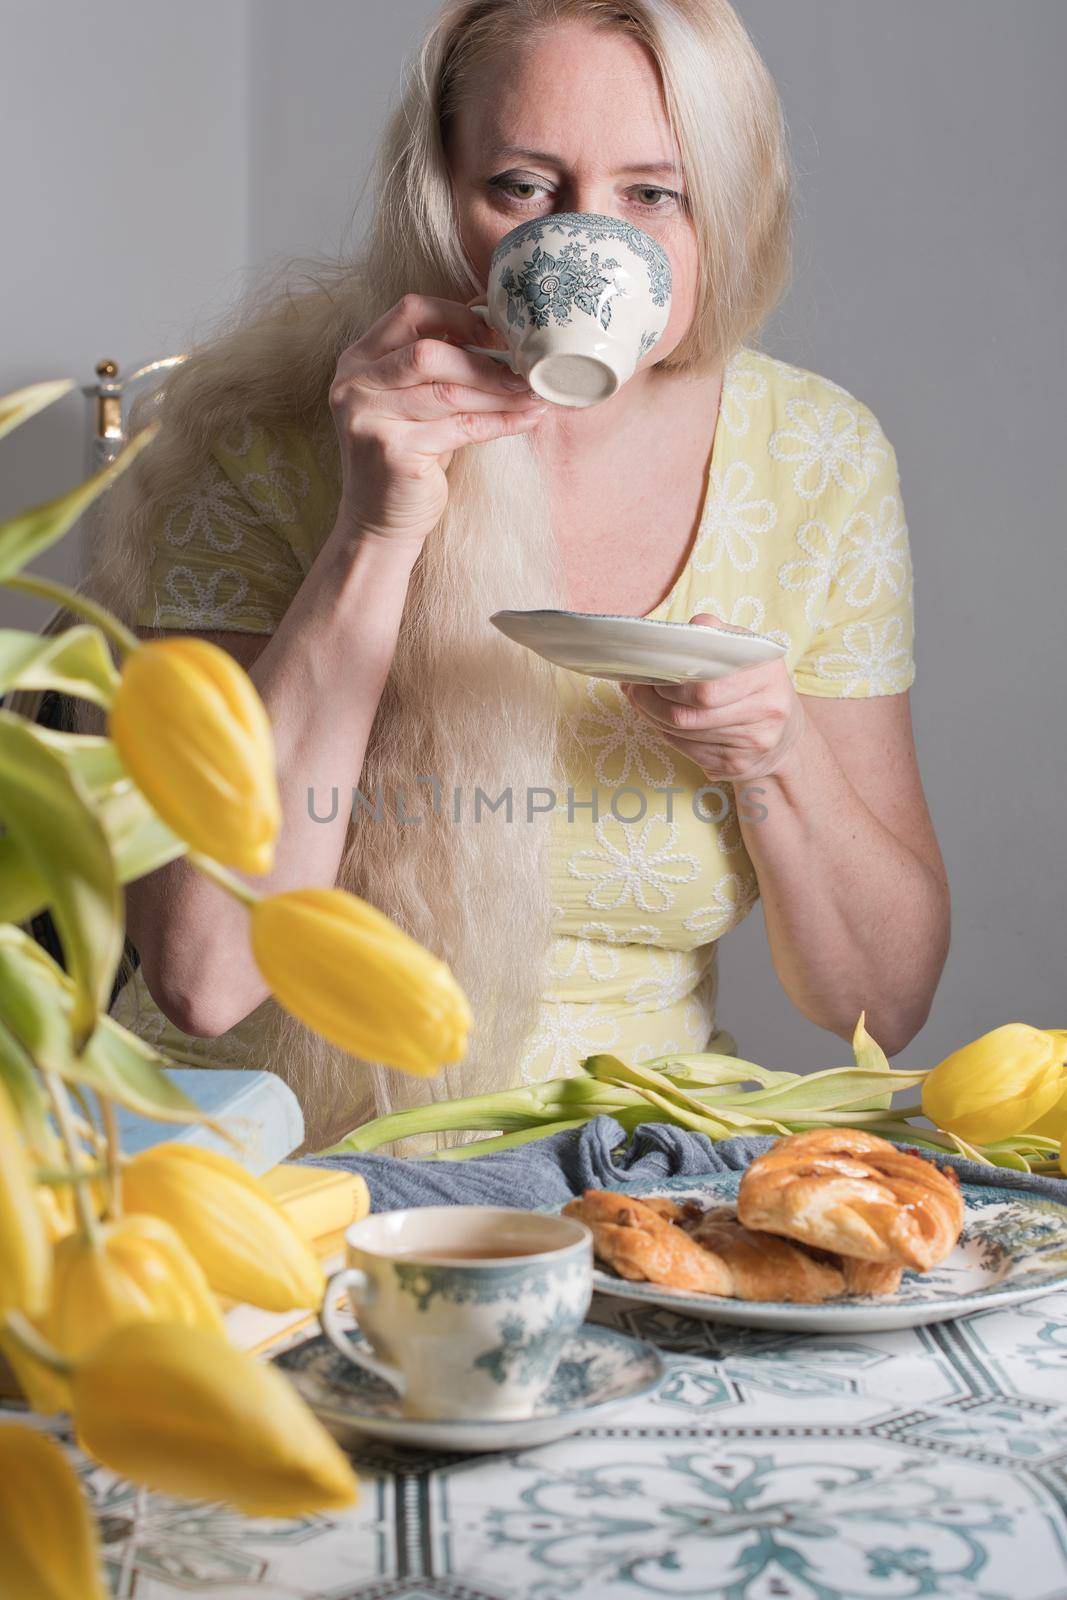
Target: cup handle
478,350
352,1278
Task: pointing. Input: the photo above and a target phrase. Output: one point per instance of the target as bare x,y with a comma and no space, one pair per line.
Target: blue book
259,1109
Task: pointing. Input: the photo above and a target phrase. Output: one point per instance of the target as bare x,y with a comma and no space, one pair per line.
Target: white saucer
635,649
600,1371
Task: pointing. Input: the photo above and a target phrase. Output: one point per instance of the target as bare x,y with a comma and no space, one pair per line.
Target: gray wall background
165,151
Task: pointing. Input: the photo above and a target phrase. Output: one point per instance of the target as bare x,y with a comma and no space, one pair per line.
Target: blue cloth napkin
597,1156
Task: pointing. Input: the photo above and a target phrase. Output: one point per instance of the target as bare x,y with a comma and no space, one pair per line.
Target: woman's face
573,120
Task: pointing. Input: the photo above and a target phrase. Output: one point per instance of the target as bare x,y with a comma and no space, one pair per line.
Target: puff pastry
684,1247
857,1195
644,1246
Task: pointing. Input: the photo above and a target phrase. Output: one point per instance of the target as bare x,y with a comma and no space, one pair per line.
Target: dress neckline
714,463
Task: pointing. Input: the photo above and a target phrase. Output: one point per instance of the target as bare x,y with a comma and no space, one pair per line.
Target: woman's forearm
855,920
320,676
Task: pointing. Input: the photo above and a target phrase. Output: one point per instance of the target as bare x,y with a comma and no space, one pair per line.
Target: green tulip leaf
22,1083
25,535
76,662
36,1002
22,404
140,841
48,812
870,1057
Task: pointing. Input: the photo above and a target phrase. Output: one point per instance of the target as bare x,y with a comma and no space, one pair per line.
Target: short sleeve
852,560
223,555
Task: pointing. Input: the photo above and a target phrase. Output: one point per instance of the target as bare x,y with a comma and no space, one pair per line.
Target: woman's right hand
403,399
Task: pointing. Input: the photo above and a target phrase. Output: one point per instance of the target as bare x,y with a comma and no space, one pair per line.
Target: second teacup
579,298
467,1308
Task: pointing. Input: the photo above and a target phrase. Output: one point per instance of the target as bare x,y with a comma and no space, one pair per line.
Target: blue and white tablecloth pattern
768,1466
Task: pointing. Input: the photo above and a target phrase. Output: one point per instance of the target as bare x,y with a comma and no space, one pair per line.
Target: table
926,1462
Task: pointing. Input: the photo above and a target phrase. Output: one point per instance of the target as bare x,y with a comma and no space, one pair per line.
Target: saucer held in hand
635,649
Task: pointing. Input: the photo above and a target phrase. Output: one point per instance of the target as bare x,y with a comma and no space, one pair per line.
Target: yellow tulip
997,1086
137,1270
348,972
48,1543
180,1410
195,737
25,1248
246,1244
45,1391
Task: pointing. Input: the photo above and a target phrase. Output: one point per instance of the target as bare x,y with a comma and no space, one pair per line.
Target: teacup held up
579,299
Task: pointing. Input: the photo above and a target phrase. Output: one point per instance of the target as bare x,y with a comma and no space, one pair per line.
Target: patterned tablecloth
768,1466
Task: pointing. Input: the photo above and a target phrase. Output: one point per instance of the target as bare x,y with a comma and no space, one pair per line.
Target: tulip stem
22,1330
111,1133
112,629
57,1094
222,876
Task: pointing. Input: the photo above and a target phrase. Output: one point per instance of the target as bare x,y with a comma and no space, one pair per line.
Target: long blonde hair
460,703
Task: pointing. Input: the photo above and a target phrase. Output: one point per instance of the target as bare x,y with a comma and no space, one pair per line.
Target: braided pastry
855,1194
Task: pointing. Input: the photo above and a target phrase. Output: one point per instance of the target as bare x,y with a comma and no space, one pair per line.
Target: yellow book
319,1202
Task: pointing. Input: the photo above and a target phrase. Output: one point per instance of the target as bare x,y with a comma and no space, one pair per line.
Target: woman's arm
853,886
855,896
403,400
320,676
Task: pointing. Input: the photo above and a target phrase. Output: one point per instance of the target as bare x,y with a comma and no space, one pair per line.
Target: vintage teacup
468,1308
579,299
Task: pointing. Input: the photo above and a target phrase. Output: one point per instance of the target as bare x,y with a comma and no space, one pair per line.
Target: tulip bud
44,1390
195,737
245,1243
48,1543
997,1086
182,1411
136,1270
348,972
25,1248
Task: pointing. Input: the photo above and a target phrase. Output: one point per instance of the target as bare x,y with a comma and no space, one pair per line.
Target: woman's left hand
735,728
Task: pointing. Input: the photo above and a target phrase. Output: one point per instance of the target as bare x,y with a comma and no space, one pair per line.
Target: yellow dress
802,536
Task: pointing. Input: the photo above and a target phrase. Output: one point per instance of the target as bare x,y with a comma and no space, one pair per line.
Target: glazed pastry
854,1194
685,1247
642,1245
763,1266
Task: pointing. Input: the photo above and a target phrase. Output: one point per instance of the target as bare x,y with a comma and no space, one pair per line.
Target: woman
341,495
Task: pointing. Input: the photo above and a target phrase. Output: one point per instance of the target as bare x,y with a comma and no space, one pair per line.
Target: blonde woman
341,495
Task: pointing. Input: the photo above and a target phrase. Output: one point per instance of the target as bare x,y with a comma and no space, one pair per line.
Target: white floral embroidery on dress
874,553
813,573
620,738
626,867
667,979
213,511
277,491
732,899
874,659
746,611
832,445
203,608
562,1037
735,520
589,955
743,384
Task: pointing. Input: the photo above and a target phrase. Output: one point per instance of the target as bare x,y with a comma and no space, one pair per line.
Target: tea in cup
579,298
467,1308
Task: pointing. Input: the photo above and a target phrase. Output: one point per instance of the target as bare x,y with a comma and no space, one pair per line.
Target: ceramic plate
600,1370
1013,1247
635,649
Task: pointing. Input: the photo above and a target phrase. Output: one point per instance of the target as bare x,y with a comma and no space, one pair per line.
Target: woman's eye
648,197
